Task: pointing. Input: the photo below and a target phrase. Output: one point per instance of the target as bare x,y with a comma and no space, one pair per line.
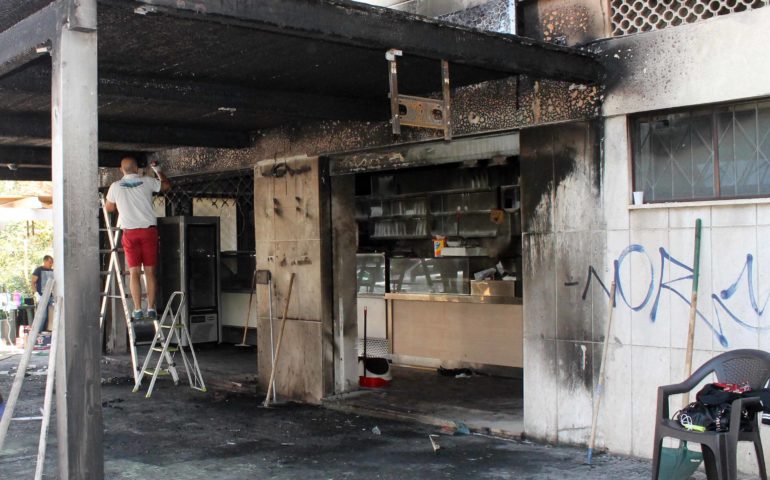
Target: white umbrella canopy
14,208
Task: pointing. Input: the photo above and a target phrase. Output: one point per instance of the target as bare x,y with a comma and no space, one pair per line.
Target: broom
600,384
248,311
271,384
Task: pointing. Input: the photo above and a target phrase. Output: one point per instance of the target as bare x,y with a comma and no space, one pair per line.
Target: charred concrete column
74,172
345,245
292,228
563,234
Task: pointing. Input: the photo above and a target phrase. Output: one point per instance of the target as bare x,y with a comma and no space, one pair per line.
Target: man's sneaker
137,315
152,314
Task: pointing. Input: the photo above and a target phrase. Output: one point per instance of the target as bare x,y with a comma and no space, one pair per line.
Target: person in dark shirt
42,275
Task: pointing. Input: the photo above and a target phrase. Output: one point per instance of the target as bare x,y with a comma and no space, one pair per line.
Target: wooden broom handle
280,338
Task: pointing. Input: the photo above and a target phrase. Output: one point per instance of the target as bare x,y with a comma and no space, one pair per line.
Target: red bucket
373,382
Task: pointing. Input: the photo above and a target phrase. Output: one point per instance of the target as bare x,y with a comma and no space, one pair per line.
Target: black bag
712,410
696,414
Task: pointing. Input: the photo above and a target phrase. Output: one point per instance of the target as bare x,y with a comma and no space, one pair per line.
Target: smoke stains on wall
494,16
504,104
477,109
568,22
563,227
671,69
563,160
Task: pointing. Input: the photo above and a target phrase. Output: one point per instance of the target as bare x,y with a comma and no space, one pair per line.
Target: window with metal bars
228,194
716,152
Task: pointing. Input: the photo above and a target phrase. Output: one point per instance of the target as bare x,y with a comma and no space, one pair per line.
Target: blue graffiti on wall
680,291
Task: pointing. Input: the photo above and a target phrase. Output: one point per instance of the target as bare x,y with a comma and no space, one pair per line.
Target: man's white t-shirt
133,196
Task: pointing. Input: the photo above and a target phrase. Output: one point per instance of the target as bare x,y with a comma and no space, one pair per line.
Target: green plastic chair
719,448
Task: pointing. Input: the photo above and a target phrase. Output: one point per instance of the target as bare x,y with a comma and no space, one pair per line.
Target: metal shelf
389,217
399,237
466,235
369,198
462,212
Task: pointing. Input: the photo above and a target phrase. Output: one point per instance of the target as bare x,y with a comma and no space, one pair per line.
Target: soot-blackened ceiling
211,72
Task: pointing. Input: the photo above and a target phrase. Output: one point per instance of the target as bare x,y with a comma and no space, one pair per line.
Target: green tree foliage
12,187
38,237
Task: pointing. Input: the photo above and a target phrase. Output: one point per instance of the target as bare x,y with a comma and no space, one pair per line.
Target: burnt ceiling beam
235,98
25,156
19,44
36,130
40,157
218,97
26,174
379,28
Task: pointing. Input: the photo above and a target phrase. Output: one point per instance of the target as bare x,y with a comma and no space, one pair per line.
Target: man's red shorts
141,246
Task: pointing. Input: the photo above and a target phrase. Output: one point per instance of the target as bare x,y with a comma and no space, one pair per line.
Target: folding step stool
171,328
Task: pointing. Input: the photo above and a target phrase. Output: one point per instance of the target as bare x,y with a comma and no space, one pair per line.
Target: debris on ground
455,372
458,428
434,443
462,429
112,403
297,441
121,380
32,370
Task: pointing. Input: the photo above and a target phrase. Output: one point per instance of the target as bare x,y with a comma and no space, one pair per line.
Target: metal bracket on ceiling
81,15
411,111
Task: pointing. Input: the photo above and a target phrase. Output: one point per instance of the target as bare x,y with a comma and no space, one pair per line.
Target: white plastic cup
638,198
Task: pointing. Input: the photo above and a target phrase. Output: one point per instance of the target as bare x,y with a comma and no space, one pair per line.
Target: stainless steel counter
448,298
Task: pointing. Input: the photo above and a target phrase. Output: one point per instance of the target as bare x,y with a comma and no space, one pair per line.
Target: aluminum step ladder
171,328
114,271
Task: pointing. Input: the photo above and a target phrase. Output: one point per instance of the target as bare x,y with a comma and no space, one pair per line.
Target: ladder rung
169,349
109,295
124,273
160,373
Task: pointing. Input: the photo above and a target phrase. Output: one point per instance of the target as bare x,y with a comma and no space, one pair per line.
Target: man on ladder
132,197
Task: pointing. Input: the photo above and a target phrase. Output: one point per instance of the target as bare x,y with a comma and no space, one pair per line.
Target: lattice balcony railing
634,16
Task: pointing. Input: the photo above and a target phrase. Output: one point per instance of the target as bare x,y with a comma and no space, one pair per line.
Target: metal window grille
634,16
717,152
229,195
